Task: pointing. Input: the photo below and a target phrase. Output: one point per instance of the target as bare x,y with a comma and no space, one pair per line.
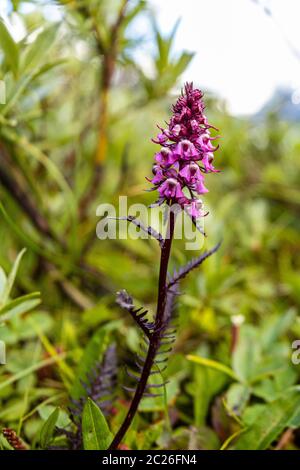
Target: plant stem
154,340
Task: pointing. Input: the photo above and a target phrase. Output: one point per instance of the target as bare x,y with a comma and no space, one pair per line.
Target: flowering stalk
185,156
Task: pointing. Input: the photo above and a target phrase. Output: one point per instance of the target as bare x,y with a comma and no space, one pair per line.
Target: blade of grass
33,368
203,361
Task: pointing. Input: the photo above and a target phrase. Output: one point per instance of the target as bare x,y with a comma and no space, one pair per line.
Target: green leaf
48,428
275,326
231,438
10,48
246,355
181,65
17,90
207,383
11,277
203,361
3,282
95,430
270,422
93,353
37,51
19,306
237,397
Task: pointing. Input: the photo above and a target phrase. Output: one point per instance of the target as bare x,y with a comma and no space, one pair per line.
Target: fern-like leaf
149,230
194,263
99,386
138,314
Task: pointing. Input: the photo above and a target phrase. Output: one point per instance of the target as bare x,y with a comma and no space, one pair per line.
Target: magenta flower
186,150
193,177
171,189
166,157
186,153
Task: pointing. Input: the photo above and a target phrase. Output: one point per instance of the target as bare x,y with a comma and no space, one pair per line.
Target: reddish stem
154,339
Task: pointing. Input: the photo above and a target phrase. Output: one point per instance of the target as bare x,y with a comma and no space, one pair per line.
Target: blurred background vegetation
75,132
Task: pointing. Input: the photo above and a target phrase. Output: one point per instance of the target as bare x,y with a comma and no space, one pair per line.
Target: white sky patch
240,52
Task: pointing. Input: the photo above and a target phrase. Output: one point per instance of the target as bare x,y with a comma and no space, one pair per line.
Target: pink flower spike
186,152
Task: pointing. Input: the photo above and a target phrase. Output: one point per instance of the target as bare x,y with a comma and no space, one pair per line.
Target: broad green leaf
275,326
9,47
45,411
270,422
203,361
237,397
48,429
95,431
19,306
11,277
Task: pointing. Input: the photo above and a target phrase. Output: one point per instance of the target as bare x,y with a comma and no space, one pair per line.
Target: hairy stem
154,340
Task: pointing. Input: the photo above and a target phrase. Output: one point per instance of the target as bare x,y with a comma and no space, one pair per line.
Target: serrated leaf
48,428
95,431
10,48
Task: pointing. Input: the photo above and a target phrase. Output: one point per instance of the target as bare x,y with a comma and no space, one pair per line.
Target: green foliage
271,420
48,428
231,381
93,354
96,433
10,48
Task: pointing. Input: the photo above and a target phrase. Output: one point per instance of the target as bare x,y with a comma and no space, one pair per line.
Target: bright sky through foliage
241,52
